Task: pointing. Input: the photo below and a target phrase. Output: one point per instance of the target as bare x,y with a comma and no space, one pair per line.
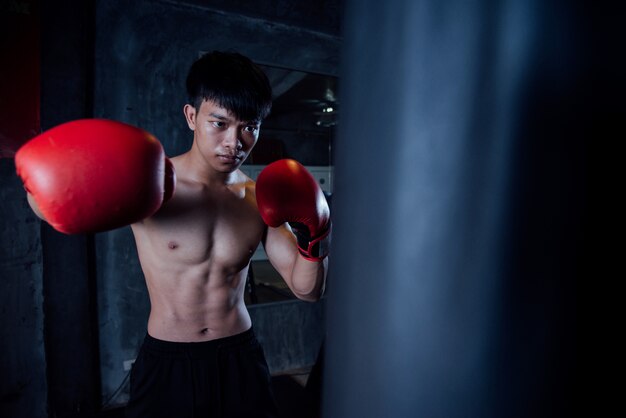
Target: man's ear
190,116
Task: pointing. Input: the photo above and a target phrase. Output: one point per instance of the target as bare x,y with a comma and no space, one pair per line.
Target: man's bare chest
222,231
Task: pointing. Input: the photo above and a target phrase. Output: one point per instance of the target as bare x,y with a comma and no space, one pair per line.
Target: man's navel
172,245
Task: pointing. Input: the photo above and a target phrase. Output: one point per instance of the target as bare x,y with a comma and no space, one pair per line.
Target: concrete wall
291,333
22,358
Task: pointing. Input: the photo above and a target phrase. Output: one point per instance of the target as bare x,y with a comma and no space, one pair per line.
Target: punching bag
458,209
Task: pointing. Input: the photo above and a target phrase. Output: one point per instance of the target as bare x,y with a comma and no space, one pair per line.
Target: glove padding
287,192
93,175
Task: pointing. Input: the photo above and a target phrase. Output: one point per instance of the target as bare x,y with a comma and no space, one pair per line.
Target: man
200,356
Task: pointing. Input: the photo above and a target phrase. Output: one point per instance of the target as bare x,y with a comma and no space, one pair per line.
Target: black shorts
227,377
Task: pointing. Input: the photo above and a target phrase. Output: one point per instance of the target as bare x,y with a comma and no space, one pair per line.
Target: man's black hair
232,81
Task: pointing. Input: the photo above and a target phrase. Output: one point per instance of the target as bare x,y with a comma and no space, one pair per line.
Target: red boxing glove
94,175
287,192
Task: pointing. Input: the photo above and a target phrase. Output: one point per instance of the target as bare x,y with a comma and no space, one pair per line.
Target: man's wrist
313,249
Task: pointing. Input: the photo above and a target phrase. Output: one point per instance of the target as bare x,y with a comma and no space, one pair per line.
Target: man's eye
251,128
218,124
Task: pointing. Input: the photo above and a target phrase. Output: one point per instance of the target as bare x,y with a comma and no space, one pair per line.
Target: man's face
224,141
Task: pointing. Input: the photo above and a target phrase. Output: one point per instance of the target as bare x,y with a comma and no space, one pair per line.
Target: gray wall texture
22,357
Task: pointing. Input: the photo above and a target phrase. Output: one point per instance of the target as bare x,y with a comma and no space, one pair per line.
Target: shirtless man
200,356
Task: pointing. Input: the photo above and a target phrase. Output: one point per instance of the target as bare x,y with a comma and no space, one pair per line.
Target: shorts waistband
202,347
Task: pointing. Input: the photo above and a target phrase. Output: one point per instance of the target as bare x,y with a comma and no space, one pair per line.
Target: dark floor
293,398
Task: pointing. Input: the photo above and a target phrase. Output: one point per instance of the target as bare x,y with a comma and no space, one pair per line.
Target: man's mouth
229,158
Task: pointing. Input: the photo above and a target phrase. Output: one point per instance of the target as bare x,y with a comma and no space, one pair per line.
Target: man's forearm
309,278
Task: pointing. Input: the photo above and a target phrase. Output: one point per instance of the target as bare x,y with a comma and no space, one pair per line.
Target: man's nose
232,140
